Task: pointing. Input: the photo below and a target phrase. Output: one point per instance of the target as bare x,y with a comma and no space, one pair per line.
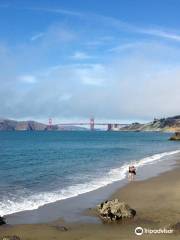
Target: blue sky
70,60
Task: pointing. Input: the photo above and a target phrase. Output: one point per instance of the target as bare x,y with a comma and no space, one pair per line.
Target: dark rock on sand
114,210
2,221
175,137
61,228
11,238
176,226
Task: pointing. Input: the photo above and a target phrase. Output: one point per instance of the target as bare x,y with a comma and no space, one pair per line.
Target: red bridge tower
50,123
92,124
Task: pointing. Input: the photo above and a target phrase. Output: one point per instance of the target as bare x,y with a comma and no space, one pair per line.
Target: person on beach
132,173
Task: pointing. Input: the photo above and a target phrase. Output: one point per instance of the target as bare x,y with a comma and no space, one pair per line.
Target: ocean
37,168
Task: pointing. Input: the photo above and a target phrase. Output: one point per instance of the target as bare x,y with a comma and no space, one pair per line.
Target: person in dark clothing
132,172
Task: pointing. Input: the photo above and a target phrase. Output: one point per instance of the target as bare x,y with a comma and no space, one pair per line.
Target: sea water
37,168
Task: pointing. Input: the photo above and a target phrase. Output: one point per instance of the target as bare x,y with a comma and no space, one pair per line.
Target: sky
71,60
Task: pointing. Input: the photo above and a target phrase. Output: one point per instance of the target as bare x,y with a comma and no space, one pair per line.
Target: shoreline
71,209
156,200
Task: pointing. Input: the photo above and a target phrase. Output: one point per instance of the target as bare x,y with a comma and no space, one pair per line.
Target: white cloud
93,74
28,79
80,56
139,85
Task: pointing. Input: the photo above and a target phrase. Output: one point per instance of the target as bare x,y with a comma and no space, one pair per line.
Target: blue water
41,167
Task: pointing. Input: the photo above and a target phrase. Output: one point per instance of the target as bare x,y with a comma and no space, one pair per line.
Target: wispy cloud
37,36
125,46
161,33
156,31
80,56
57,11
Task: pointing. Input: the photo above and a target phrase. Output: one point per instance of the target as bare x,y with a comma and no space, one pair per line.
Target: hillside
12,125
170,124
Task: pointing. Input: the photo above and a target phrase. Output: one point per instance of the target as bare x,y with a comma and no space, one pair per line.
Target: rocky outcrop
175,137
2,221
114,210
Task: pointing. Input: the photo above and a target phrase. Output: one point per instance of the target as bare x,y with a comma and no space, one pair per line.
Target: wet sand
156,200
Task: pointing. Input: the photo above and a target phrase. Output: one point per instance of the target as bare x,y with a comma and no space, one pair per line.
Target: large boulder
2,221
175,137
114,210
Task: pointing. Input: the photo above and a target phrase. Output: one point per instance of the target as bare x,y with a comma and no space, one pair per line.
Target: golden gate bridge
91,123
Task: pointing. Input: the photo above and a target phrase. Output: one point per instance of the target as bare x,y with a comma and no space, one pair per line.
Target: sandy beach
156,200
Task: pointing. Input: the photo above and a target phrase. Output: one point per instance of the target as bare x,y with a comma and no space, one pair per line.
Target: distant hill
70,128
12,125
170,124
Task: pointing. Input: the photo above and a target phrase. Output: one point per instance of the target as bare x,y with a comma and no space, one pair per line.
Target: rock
61,228
2,221
114,210
175,137
176,226
14,237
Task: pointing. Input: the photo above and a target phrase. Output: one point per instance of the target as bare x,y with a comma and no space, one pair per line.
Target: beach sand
156,200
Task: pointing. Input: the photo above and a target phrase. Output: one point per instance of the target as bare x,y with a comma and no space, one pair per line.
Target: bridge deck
102,124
